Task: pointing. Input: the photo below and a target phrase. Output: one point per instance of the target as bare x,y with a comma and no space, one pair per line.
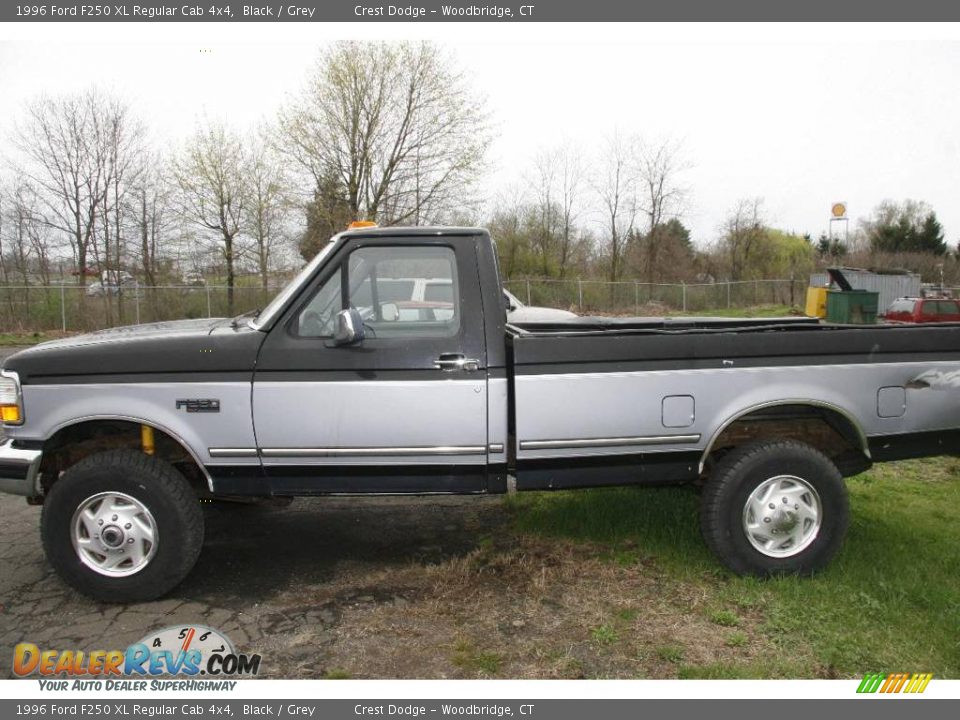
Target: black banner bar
206,707
480,11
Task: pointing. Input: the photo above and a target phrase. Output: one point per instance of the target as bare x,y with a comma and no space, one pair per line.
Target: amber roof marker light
358,224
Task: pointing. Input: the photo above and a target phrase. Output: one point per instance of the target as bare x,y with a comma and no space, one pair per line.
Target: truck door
405,409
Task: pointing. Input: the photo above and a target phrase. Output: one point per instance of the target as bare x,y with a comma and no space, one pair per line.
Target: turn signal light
357,224
11,403
10,414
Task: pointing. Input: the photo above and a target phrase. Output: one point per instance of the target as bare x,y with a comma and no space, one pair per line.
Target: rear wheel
774,508
121,526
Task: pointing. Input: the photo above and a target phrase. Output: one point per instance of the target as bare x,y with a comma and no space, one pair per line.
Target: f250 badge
199,405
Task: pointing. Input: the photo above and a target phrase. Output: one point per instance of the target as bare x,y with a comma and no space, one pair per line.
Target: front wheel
774,508
121,526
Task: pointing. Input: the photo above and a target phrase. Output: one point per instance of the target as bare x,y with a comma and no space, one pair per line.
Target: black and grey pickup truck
347,384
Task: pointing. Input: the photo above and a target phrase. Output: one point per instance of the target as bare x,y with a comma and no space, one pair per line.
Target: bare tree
395,126
616,186
64,142
558,183
743,233
547,211
266,203
148,207
571,178
210,174
660,196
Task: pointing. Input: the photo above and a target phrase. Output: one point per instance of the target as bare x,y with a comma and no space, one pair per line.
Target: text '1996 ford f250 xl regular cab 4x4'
337,387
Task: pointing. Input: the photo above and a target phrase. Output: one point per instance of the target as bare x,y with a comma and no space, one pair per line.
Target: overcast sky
799,123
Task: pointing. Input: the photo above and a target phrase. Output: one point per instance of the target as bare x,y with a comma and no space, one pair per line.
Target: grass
724,618
467,657
26,338
889,601
756,311
670,653
604,635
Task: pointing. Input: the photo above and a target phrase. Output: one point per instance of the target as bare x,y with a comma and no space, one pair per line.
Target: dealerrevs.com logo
192,651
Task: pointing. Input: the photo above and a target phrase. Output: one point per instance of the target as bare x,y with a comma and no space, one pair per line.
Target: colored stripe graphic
894,683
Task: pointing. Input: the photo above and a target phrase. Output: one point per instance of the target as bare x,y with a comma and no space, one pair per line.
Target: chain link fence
77,308
73,308
636,298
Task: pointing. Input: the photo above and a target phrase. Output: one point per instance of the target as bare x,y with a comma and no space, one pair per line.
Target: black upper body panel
186,349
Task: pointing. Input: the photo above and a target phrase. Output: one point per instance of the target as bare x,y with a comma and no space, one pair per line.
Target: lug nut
127,526
99,522
785,501
766,520
115,517
772,506
129,540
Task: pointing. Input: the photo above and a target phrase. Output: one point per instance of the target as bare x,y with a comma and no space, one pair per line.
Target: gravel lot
276,581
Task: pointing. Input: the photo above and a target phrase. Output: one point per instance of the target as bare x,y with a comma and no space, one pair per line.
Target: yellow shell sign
839,210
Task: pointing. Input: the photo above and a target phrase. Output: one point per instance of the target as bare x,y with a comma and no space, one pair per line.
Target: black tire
157,486
741,472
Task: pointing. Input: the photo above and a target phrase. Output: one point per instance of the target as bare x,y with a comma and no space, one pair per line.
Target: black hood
184,347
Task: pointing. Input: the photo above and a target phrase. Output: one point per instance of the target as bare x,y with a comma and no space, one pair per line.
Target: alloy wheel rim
114,534
782,516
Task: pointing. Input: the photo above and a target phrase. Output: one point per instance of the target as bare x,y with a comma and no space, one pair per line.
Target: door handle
456,361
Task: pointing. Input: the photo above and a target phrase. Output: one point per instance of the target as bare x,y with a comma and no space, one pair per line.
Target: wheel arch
841,420
125,431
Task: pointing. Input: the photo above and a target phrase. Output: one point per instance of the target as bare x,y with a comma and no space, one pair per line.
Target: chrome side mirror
389,312
349,329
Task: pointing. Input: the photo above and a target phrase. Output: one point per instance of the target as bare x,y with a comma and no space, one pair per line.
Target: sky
799,117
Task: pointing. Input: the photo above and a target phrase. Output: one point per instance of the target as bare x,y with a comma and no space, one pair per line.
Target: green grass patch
724,618
754,311
670,653
737,639
891,599
467,657
604,635
25,338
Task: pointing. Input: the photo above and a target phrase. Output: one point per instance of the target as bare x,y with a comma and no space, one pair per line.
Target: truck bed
658,394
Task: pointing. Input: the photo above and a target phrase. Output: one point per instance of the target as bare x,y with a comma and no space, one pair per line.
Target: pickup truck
331,389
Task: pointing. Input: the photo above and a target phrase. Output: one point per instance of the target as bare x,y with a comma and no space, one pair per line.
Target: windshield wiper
235,323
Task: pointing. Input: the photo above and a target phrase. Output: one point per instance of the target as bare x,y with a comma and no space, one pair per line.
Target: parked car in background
112,282
517,312
193,277
922,310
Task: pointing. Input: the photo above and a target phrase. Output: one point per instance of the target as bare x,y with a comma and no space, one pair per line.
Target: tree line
390,132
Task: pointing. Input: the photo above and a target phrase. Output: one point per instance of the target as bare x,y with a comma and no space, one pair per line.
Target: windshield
281,299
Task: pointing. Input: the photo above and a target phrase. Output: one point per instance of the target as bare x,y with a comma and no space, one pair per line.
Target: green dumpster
853,307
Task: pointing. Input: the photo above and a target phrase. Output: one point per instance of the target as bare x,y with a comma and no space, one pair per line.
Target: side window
383,282
382,286
318,318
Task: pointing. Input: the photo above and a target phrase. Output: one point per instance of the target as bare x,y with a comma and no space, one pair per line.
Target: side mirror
389,312
349,329
510,304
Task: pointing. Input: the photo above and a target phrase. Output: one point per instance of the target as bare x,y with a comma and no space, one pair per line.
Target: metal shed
890,287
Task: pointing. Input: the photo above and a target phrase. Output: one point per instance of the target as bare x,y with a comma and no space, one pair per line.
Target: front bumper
19,470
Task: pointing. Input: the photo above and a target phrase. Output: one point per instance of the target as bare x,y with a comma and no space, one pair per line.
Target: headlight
11,401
